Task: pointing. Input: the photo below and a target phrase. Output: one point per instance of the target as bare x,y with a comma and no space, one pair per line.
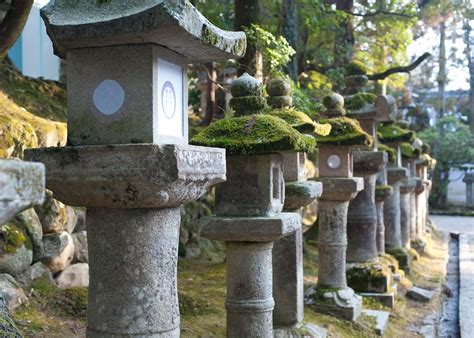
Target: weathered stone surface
29,221
405,216
17,261
80,247
300,330
294,166
81,220
380,237
255,229
76,275
149,21
7,325
34,272
58,251
21,186
139,280
11,292
387,299
368,277
71,219
340,188
254,187
52,214
155,175
300,194
381,320
343,303
386,107
369,162
420,294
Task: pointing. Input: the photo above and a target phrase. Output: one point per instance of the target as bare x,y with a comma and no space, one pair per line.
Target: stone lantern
393,135
422,165
21,186
127,158
469,180
249,204
332,295
288,284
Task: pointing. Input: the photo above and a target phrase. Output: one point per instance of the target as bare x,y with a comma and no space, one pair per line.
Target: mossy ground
201,284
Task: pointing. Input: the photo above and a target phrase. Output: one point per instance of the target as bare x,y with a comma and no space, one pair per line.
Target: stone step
381,320
420,294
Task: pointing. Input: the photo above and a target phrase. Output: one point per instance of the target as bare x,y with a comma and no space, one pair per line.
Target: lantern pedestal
133,194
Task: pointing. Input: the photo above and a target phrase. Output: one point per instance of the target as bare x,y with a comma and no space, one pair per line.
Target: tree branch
13,23
378,12
400,69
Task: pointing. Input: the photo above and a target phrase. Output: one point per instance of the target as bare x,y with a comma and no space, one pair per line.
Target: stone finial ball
334,101
246,85
278,87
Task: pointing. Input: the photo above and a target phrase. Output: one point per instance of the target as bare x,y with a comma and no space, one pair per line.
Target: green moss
255,134
300,121
208,36
391,133
368,278
382,192
246,105
321,290
425,148
72,301
344,131
408,151
355,68
392,153
14,238
401,256
358,101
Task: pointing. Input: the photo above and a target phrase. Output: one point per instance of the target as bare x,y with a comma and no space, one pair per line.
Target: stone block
368,277
254,187
395,174
343,303
294,168
381,320
300,194
254,229
340,188
369,162
76,275
420,294
335,161
154,175
387,299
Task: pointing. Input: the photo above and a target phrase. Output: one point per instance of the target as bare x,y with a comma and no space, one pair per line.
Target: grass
202,290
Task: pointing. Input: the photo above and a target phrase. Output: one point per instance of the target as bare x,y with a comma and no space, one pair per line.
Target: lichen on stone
254,134
344,131
300,121
392,133
368,277
13,238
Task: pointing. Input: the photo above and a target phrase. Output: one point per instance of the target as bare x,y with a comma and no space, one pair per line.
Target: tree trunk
13,24
247,13
210,94
304,37
344,41
289,28
470,58
442,69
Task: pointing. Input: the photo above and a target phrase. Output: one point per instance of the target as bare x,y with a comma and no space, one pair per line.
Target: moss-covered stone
278,87
256,134
391,133
246,105
355,68
392,153
246,85
359,100
425,148
13,238
344,131
408,151
383,191
402,256
369,277
280,101
300,121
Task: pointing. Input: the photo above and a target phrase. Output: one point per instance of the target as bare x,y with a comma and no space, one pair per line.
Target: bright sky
458,75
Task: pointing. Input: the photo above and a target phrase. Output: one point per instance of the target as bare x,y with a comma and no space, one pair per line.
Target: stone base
300,330
381,320
402,256
387,299
419,245
373,277
343,303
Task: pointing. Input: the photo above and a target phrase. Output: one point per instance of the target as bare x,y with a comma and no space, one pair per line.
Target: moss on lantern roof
254,134
355,68
300,121
344,131
382,191
391,133
358,101
392,153
425,148
428,161
408,151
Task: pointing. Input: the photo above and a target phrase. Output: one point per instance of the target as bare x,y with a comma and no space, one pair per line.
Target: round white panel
334,162
168,100
109,97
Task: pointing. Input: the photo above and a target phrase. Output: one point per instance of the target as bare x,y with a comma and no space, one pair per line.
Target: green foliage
255,134
276,51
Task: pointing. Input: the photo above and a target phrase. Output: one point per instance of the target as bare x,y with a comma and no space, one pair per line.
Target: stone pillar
406,189
128,160
249,219
382,192
393,236
22,185
420,200
469,180
362,215
288,251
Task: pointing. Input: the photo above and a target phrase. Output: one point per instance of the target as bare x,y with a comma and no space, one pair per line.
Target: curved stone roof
174,24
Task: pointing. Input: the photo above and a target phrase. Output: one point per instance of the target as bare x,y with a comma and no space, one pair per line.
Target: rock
80,247
11,292
71,219
420,294
381,320
58,251
30,222
76,275
52,215
7,325
35,272
16,250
